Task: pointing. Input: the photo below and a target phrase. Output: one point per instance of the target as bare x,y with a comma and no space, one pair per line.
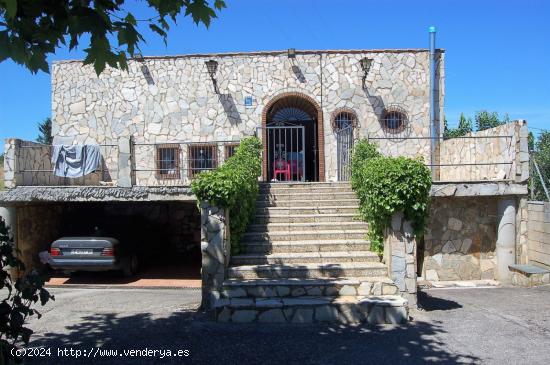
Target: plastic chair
281,167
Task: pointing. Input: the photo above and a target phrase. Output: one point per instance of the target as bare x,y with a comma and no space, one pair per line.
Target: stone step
308,226
306,189
298,185
305,257
266,247
344,309
305,218
306,270
307,210
335,234
307,196
262,288
300,203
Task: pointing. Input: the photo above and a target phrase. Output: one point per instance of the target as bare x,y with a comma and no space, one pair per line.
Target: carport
167,220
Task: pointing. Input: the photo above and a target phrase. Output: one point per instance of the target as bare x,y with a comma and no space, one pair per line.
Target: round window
394,120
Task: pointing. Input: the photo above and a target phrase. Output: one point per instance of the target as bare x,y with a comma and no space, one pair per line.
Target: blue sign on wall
248,101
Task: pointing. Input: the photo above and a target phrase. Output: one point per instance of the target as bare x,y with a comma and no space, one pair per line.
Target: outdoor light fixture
212,66
139,57
291,53
366,63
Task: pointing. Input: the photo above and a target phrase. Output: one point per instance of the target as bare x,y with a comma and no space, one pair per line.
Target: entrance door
344,149
286,157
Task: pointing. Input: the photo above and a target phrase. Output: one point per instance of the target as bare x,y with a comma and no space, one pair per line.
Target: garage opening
161,238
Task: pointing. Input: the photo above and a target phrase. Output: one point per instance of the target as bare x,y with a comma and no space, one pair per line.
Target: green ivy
234,186
388,185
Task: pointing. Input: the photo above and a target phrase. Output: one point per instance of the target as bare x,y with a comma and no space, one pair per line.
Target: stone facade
168,99
460,240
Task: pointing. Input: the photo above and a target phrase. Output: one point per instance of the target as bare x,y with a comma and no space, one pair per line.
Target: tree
31,30
45,132
19,295
485,120
541,155
464,127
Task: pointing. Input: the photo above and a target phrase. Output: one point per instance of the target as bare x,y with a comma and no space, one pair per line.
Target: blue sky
497,52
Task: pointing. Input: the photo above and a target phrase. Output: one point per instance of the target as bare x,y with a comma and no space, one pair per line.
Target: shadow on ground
209,342
429,302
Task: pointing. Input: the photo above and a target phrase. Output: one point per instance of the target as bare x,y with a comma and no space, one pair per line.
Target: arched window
343,118
394,120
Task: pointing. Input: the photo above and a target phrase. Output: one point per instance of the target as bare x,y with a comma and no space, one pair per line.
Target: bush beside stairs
305,258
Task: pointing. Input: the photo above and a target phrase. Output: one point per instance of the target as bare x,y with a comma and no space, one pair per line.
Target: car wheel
131,266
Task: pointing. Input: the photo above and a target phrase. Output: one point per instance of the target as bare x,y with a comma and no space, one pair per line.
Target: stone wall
502,158
37,227
460,240
168,99
539,233
29,163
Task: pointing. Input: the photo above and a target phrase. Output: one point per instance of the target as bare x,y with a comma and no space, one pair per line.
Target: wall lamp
291,53
366,64
212,67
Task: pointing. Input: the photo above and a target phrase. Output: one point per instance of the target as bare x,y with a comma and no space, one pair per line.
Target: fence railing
32,166
466,158
177,163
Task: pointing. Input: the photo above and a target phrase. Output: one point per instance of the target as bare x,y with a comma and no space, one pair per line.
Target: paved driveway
493,326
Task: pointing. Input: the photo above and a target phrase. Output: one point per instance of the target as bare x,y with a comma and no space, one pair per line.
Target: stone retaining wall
460,240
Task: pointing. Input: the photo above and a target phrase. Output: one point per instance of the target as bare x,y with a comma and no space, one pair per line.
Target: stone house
168,118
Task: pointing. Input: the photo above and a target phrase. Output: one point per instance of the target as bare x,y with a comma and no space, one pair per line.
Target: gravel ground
490,326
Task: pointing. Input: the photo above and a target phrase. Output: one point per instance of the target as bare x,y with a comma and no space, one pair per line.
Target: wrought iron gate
344,149
285,152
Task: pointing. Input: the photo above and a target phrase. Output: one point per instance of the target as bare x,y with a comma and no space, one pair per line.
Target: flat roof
279,52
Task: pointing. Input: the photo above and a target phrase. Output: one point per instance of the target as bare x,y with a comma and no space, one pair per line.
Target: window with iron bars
230,149
202,157
168,161
343,120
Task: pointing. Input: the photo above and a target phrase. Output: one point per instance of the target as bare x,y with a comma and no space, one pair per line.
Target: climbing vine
234,185
388,185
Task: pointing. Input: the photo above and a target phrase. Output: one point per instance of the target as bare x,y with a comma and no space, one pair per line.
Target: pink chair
281,167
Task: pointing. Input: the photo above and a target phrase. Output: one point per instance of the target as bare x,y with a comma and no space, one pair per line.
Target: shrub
388,185
234,186
19,295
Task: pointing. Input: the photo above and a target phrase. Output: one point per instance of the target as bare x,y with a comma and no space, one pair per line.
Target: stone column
215,249
506,237
124,173
12,177
400,256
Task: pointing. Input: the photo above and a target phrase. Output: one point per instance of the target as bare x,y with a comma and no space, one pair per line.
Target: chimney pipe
434,134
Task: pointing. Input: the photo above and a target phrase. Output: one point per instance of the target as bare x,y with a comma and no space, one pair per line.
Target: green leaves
234,185
11,8
387,185
30,31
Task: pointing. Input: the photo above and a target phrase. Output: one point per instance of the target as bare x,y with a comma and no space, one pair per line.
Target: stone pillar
400,256
506,237
215,249
12,177
124,174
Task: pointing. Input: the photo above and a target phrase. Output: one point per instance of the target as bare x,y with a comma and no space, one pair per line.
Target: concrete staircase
306,259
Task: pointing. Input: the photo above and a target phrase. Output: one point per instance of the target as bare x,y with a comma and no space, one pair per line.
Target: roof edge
277,53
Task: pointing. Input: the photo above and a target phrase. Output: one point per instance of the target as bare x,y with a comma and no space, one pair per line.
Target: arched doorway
292,134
